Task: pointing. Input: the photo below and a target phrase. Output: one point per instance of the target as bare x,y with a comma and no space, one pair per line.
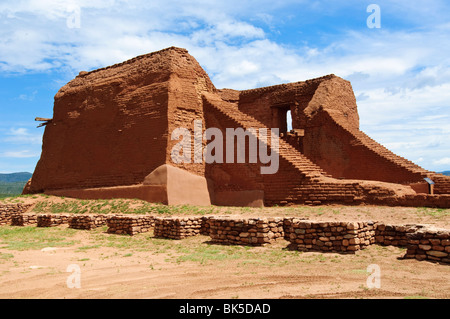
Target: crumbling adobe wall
297,180
304,99
338,152
110,127
269,105
187,82
230,176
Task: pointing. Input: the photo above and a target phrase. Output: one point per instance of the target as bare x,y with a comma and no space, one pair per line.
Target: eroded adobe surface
110,136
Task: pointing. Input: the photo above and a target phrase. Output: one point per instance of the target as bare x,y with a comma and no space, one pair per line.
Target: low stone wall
7,210
240,231
429,244
87,221
52,220
329,236
19,219
205,227
177,228
129,224
422,242
394,235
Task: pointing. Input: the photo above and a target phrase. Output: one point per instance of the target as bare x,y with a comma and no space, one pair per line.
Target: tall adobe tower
111,136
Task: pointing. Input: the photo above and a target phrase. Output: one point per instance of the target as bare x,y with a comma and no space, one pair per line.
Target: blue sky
400,72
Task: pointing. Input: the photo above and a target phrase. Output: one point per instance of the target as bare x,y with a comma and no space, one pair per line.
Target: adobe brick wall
112,127
418,200
245,231
263,103
109,127
187,83
129,224
7,210
87,221
230,176
346,155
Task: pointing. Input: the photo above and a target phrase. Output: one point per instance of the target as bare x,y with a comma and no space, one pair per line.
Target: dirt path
107,272
113,266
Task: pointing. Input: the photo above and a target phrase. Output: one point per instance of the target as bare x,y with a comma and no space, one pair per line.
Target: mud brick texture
129,224
124,115
329,236
7,210
251,231
87,221
178,228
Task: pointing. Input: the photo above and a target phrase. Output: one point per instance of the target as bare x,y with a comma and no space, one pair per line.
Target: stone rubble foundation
178,228
7,210
130,224
87,222
52,220
245,231
18,219
329,236
423,242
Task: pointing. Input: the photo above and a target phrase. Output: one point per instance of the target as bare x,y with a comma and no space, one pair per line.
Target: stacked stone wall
329,236
177,228
242,231
87,221
129,224
7,210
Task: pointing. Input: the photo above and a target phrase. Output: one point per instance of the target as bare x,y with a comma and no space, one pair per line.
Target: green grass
119,206
8,189
4,257
434,212
25,238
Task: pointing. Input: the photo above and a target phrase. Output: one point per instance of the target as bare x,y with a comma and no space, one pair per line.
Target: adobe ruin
110,136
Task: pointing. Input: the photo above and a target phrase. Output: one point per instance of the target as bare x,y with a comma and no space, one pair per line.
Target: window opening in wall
289,120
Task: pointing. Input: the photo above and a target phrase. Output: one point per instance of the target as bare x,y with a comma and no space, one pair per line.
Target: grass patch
118,206
433,212
203,254
4,257
25,238
84,248
415,297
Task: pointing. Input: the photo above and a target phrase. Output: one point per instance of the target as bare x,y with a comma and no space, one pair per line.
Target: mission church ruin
111,137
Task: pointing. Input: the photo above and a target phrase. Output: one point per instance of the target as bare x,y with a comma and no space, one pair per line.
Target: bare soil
115,266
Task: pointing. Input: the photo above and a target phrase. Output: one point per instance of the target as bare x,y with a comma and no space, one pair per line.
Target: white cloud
401,78
443,161
19,154
22,136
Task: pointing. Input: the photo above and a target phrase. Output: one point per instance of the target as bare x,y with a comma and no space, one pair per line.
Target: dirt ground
116,266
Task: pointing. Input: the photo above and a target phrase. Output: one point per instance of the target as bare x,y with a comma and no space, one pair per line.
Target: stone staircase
285,151
442,182
298,180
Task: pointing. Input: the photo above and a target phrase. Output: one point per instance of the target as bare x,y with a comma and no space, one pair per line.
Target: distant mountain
15,177
446,173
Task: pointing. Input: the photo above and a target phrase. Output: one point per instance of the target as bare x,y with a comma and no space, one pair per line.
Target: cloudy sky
400,72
